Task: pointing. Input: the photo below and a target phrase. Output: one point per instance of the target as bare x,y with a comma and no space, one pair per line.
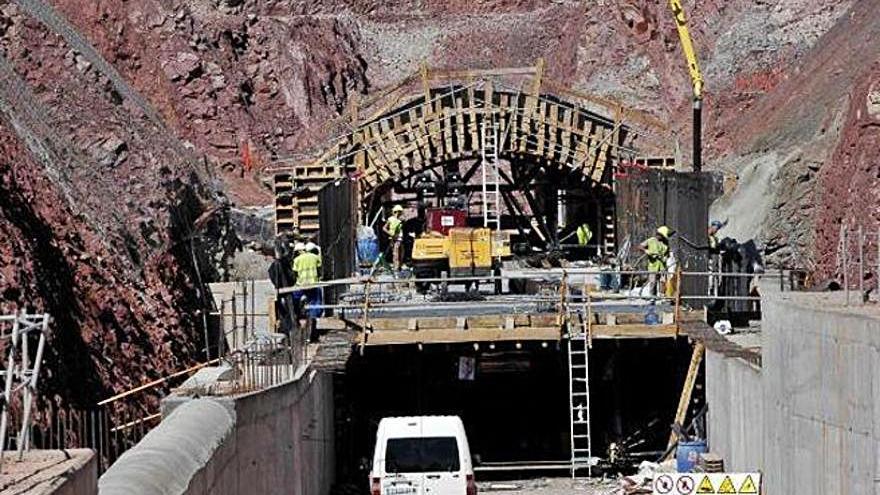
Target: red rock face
100,238
98,210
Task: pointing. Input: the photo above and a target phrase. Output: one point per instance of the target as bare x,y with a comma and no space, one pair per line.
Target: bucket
686,455
368,250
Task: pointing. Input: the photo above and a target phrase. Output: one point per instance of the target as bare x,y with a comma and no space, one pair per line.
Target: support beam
687,390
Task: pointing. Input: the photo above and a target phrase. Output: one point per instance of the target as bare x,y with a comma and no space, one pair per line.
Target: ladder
609,236
579,400
491,174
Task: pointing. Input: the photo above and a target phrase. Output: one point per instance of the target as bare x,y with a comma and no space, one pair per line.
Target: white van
422,455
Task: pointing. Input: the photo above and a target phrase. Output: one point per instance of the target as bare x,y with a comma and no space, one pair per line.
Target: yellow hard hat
664,231
397,208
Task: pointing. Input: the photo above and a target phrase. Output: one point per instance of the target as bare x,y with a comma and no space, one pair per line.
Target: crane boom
687,47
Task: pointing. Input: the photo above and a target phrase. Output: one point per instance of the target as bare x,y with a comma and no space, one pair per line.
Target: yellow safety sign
727,486
748,486
706,486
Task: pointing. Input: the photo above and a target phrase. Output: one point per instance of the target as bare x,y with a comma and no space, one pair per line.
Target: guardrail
371,297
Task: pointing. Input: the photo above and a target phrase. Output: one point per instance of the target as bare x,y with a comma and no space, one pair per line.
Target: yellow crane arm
687,46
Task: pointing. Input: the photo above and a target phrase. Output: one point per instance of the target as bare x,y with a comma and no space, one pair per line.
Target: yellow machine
464,252
687,47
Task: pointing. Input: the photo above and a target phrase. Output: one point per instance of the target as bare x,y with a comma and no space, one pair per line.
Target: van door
424,466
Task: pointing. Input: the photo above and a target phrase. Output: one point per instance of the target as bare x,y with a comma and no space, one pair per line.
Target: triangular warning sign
706,486
727,486
748,485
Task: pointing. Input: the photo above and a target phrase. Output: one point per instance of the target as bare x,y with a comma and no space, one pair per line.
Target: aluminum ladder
491,174
579,400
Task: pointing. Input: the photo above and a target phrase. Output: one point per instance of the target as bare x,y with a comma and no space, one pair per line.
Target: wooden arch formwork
438,117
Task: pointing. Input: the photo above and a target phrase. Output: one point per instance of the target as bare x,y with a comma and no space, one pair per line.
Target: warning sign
707,483
685,485
748,485
727,486
663,484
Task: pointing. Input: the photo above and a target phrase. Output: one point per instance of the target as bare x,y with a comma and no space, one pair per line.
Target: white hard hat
299,247
311,246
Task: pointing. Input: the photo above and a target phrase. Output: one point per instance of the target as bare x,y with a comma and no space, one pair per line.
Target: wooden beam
426,87
477,73
452,335
685,399
633,331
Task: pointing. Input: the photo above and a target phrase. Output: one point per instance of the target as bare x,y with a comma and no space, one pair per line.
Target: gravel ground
550,486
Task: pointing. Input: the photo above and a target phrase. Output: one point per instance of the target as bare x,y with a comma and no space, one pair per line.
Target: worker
584,234
394,229
656,248
714,248
281,276
712,235
306,267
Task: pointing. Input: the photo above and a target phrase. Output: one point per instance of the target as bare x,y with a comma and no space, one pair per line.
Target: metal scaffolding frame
21,374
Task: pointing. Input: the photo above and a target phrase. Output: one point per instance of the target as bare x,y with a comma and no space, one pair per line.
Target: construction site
612,247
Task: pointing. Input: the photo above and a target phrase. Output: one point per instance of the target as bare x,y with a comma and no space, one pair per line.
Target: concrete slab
44,472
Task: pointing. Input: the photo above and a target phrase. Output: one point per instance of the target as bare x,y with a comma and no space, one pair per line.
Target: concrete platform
43,472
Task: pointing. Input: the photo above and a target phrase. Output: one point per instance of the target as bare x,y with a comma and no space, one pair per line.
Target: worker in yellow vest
656,248
584,234
307,268
394,229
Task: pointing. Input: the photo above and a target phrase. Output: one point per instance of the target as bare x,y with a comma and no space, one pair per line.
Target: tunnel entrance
515,409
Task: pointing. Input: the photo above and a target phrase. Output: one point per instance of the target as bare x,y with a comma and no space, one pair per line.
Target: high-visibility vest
306,267
584,234
713,242
395,226
657,252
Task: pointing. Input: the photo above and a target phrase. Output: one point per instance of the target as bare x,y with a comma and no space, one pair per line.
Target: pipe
698,135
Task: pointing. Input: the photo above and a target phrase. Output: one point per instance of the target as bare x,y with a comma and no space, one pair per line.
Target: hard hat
299,247
397,208
716,223
311,246
664,231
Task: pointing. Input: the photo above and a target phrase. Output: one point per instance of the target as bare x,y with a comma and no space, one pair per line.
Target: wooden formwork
442,123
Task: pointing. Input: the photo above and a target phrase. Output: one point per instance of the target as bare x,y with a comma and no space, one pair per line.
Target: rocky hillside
108,222
247,81
113,131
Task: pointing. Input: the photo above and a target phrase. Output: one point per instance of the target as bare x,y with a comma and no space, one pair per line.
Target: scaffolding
20,376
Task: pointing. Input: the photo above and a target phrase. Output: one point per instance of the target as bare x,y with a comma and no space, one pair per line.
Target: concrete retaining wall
736,412
275,441
822,395
815,428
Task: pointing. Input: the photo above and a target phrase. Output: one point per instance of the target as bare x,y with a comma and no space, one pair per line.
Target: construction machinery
687,47
462,252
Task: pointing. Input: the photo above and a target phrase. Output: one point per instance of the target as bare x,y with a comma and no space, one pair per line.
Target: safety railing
564,291
858,262
259,355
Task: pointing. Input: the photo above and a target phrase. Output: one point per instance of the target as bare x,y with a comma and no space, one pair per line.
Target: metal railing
372,297
854,269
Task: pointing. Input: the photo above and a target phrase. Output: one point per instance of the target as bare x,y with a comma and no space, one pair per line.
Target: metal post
861,265
845,265
7,391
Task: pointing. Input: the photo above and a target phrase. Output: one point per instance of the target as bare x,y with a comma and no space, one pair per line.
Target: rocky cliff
108,222
124,147
247,81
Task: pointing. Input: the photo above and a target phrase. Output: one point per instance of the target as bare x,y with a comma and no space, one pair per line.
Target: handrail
157,382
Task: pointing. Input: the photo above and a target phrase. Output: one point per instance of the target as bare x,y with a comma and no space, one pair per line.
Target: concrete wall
736,411
81,479
275,441
821,386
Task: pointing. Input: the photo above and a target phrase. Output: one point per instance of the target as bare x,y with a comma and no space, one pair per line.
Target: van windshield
421,455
